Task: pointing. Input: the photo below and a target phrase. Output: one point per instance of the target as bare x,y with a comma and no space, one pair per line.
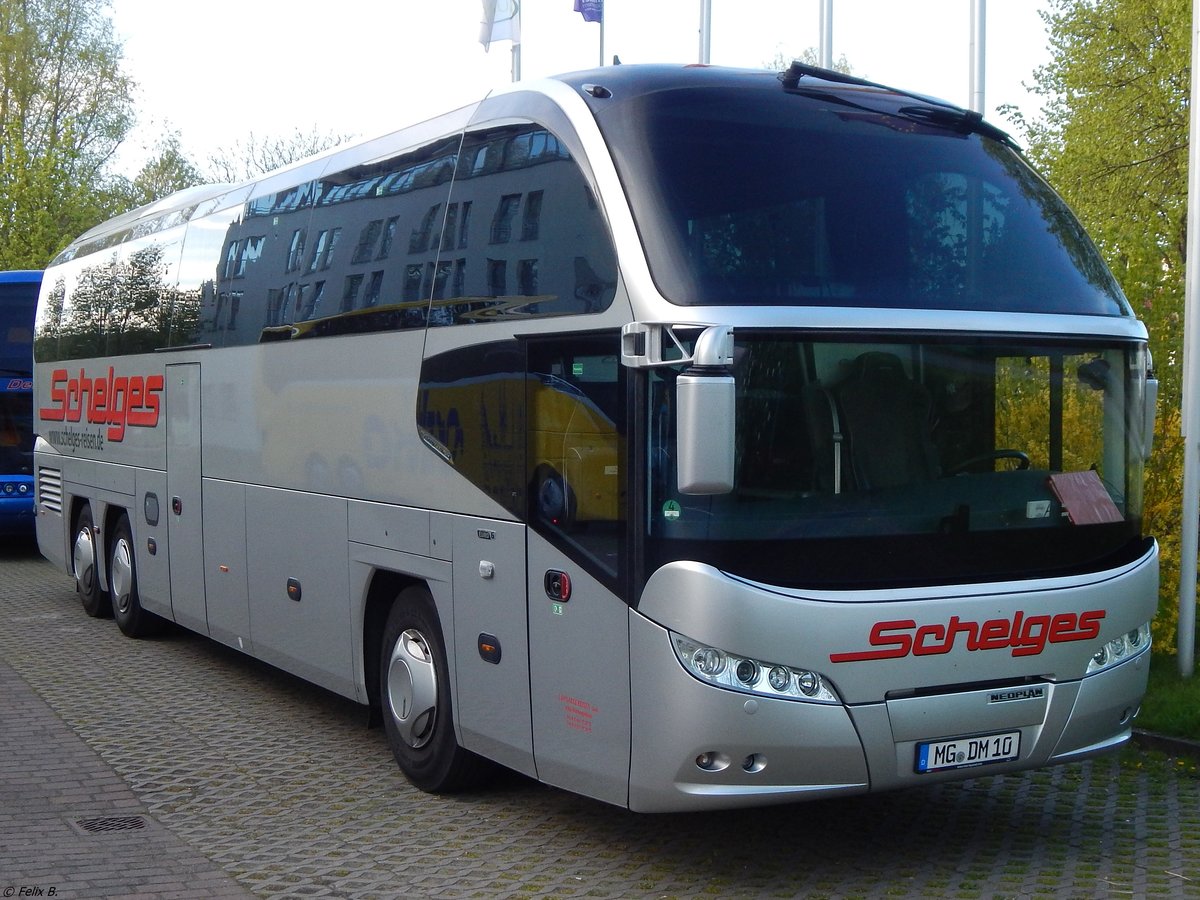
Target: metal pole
705,31
516,61
978,53
826,35
1186,633
601,40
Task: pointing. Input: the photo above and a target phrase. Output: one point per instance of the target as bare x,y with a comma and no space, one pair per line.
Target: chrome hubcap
412,689
84,560
121,572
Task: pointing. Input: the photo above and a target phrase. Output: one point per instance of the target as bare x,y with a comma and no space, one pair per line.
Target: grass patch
1172,703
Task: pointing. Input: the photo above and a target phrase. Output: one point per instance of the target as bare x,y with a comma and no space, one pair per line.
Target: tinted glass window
892,462
765,196
528,239
323,258
539,427
116,301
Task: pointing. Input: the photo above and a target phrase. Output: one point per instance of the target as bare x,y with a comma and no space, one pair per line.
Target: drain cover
106,824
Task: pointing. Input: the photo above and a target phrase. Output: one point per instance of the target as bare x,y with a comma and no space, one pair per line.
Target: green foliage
1114,142
1172,702
64,108
168,172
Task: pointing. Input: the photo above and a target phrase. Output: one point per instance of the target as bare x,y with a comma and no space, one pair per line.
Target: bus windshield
900,462
760,198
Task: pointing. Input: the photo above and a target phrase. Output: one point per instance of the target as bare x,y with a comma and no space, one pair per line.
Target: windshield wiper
932,111
21,373
967,121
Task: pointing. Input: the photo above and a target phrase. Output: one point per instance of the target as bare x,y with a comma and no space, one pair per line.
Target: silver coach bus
682,437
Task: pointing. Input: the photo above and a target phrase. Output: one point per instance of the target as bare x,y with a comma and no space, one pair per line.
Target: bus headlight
1120,649
753,676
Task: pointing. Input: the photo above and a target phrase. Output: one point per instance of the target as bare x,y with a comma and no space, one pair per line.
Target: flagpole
1185,632
705,31
978,53
826,35
602,40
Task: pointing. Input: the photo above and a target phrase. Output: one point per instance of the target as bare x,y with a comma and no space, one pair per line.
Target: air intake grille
49,486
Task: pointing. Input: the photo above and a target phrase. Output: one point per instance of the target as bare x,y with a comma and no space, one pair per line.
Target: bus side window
523,235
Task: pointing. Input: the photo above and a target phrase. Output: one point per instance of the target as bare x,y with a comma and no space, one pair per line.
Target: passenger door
185,546
491,648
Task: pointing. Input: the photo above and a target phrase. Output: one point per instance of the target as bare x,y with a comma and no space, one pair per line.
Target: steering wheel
1019,455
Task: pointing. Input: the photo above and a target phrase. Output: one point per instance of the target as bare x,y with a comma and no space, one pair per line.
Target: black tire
85,556
554,499
414,691
127,609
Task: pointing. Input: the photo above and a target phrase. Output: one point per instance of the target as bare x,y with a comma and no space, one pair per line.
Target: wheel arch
385,586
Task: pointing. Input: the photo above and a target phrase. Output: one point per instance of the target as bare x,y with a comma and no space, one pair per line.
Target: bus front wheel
85,553
132,619
415,694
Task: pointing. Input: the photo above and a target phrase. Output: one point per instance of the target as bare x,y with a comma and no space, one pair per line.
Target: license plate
961,753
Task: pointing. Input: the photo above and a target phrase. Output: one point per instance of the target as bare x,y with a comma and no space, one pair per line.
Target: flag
591,10
501,22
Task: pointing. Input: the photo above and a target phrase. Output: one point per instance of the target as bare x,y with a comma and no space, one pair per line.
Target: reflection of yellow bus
542,430
573,454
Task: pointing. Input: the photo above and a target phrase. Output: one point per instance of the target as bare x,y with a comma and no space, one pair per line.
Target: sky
216,71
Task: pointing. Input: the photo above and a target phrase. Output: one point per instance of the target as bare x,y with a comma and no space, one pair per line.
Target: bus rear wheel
84,557
415,695
132,619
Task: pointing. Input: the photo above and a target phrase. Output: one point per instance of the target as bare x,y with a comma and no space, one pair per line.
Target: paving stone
254,783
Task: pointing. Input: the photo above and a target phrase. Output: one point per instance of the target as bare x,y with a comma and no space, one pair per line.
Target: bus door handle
177,506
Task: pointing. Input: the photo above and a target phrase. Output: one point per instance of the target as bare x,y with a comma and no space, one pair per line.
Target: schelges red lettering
1022,635
116,401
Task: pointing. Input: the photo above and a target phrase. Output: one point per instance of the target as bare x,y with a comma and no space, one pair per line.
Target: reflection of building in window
322,255
463,224
460,278
497,277
506,211
527,277
350,292
374,289
480,161
419,241
253,250
240,254
412,282
296,251
439,282
448,229
234,301
366,241
311,308
532,217
231,256
389,234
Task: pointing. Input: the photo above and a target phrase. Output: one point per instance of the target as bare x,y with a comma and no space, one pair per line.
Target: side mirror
1149,412
705,418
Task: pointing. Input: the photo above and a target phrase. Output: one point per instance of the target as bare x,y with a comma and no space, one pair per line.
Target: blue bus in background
18,300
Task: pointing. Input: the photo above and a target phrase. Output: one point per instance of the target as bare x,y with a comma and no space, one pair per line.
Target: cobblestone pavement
247,781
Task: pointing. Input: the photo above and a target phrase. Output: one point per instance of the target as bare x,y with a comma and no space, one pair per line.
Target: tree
256,156
1114,141
168,172
65,106
811,56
